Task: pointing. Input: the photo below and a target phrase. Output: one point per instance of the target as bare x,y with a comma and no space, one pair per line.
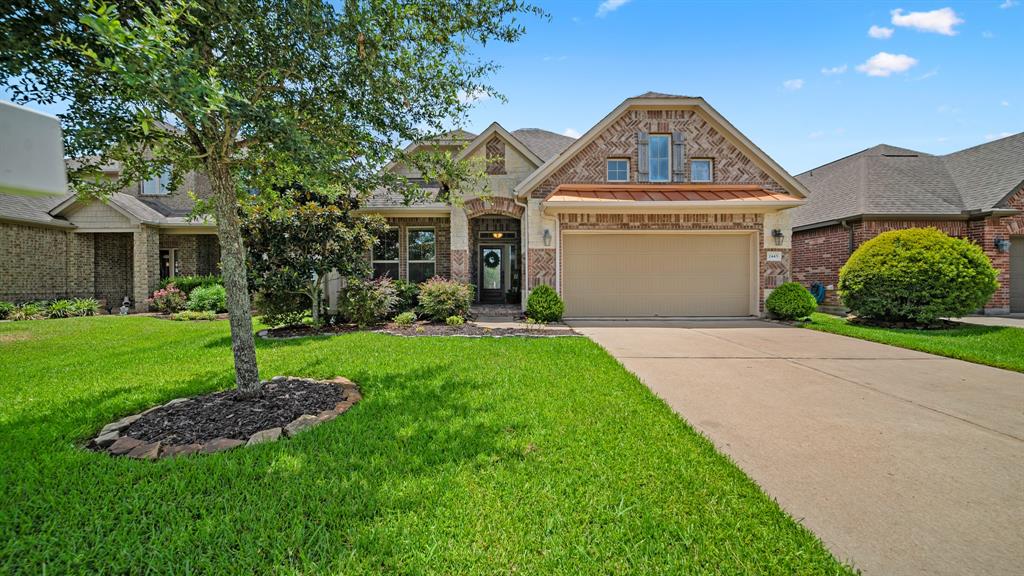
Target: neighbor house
663,208
73,248
977,193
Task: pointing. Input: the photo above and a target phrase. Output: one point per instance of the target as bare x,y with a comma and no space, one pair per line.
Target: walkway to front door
901,462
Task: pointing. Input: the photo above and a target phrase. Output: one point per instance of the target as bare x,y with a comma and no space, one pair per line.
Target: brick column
145,265
984,234
459,245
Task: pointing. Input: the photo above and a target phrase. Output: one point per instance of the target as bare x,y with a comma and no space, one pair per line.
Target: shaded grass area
999,346
466,456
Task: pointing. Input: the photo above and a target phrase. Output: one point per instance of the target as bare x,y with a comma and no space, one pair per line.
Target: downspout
524,280
849,245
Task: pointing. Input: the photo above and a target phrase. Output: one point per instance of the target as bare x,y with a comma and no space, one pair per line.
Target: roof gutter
662,205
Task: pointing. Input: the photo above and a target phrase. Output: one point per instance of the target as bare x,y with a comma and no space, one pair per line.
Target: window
618,170
421,250
385,254
700,170
170,266
158,185
658,157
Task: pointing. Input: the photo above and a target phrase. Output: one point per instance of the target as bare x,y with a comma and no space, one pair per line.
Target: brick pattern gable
619,140
495,151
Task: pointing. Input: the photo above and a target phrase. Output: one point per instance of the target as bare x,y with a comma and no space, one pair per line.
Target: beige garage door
1017,274
656,274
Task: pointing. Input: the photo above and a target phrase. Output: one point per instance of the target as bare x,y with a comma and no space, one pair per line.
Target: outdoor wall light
1002,244
778,236
547,237
496,235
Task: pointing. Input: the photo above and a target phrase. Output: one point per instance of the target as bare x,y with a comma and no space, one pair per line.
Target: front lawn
999,346
466,456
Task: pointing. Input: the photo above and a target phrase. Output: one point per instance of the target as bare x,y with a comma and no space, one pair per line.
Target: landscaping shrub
440,298
194,315
189,283
368,302
59,309
405,318
85,307
916,275
544,305
29,311
280,308
167,300
5,309
211,298
791,301
408,295
454,321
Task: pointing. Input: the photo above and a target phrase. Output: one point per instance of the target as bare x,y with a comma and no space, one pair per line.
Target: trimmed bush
791,301
85,307
5,309
455,320
189,315
167,300
189,283
211,298
281,308
440,298
408,295
405,318
59,309
368,302
544,305
916,275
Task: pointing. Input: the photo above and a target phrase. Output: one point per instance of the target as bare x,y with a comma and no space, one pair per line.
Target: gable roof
545,144
888,180
498,129
657,99
31,210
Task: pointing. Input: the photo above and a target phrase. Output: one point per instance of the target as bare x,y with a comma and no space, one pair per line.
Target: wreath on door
491,260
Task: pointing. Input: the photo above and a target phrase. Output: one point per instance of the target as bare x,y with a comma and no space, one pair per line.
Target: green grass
466,456
999,346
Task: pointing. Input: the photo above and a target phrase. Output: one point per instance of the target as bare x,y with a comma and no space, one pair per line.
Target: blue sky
802,80
807,82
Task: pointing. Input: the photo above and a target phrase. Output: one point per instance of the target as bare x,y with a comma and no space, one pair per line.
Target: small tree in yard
295,243
256,94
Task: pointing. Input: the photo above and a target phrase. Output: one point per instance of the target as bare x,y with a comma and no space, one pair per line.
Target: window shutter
678,158
642,165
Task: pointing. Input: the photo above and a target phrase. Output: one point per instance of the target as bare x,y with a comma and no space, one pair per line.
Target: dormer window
659,157
618,170
159,185
701,170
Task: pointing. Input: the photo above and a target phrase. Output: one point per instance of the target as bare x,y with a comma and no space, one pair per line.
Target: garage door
1017,274
656,274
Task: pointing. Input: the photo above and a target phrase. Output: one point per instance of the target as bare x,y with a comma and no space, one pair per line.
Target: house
977,193
72,248
663,208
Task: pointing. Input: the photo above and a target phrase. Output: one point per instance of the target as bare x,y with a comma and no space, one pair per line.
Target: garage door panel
656,274
1017,274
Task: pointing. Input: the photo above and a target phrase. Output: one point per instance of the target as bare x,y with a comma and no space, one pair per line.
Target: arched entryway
495,263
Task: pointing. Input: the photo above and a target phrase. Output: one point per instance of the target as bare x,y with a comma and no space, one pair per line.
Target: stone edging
265,335
111,441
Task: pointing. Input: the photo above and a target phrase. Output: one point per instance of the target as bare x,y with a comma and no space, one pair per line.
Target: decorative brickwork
495,155
497,206
460,265
619,140
491,224
542,267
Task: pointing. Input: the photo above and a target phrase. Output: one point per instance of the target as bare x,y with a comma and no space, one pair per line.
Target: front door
493,263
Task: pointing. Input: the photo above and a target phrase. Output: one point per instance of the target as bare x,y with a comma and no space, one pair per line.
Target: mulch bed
225,415
468,329
303,330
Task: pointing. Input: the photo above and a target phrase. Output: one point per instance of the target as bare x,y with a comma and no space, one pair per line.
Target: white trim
607,173
507,136
711,170
398,261
668,157
408,260
754,289
708,113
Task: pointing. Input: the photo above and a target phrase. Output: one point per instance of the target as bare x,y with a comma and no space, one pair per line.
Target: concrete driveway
901,462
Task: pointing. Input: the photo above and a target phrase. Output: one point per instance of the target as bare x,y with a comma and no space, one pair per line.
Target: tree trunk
232,254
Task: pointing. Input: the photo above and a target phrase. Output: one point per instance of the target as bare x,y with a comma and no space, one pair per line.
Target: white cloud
816,135
927,75
939,21
987,35
990,137
834,70
478,95
571,133
941,139
609,6
554,58
1008,4
1005,103
880,32
793,85
884,64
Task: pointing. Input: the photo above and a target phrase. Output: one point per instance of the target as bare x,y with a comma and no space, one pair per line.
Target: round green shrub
916,275
368,302
455,320
440,298
85,307
408,295
405,318
211,298
544,305
791,301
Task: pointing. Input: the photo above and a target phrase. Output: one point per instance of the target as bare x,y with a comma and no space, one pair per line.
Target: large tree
257,94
